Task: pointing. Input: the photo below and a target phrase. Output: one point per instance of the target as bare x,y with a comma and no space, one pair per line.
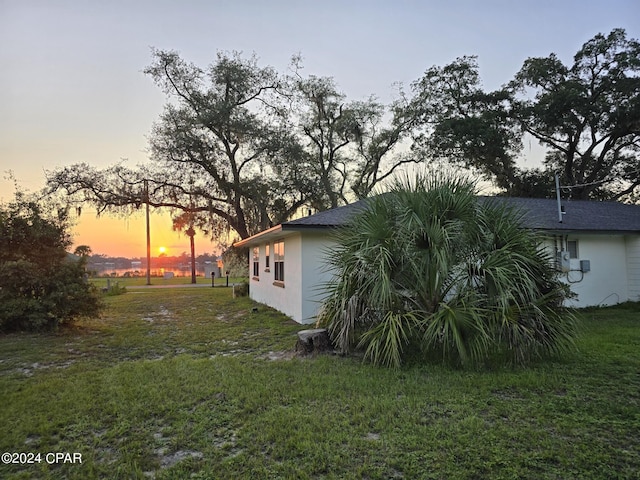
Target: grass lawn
101,282
190,383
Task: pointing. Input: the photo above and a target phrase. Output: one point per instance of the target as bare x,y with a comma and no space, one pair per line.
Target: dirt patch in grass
275,356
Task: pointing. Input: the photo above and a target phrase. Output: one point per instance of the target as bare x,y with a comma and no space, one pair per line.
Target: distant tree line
104,264
241,147
184,257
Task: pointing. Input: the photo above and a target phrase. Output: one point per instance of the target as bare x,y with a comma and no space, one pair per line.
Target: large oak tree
352,146
457,121
220,152
240,148
586,115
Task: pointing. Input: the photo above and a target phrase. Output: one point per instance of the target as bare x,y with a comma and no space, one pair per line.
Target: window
278,261
572,247
266,258
256,262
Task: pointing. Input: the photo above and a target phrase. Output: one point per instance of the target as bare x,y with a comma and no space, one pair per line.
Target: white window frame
278,261
256,263
267,266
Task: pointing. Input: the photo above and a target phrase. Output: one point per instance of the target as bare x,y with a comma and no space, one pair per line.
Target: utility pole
146,201
191,233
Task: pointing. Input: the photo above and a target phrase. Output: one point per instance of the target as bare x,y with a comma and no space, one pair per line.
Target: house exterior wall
314,273
607,281
614,274
633,266
287,298
304,274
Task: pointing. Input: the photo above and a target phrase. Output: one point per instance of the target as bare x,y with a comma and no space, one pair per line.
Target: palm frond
384,343
427,263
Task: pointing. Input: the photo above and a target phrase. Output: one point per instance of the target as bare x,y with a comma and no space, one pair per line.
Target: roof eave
565,231
279,231
247,242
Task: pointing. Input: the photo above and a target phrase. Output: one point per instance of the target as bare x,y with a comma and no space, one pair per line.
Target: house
597,245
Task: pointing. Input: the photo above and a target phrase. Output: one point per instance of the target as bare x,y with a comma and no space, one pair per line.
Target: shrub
427,264
41,285
241,289
114,290
236,262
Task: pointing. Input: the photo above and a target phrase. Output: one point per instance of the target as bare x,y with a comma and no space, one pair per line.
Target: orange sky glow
118,236
127,237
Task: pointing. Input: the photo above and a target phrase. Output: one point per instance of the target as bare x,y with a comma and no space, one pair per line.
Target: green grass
190,383
101,282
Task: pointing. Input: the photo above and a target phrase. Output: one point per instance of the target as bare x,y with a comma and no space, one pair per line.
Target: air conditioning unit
562,261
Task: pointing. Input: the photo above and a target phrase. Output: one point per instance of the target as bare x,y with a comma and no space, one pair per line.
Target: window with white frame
572,247
266,258
256,262
278,261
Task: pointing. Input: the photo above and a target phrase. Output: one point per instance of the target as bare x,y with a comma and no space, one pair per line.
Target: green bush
41,285
114,290
428,265
241,289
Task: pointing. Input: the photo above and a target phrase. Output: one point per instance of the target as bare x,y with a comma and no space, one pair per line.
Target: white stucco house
597,246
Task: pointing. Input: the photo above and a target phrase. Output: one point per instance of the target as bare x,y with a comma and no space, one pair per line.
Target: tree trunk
314,341
193,259
192,233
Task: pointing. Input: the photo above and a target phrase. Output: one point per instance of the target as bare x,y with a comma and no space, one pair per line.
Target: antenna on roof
560,207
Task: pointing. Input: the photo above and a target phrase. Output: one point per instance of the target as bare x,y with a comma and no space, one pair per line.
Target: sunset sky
72,88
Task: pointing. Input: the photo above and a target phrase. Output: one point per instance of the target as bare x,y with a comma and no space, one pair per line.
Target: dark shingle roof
539,214
581,215
329,218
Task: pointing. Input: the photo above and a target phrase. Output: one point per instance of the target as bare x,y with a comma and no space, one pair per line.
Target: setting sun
162,250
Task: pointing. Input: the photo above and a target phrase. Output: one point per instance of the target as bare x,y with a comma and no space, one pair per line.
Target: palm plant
429,264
